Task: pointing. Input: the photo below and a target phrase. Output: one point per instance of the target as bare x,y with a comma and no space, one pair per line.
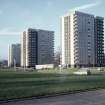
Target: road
84,98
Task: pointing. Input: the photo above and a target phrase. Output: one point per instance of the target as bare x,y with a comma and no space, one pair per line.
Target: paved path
84,98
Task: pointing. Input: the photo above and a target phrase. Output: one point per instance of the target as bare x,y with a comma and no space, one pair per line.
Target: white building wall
63,42
27,48
9,56
72,40
23,49
67,39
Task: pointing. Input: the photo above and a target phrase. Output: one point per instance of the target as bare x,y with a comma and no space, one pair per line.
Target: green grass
15,85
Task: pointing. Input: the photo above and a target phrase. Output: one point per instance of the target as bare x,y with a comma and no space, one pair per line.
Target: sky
18,15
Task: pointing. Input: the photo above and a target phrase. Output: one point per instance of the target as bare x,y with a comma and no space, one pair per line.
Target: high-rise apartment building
99,41
37,47
82,39
14,55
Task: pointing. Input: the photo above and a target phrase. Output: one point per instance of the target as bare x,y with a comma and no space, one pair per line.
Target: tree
57,57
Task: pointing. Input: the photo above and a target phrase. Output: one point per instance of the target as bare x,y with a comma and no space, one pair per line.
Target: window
88,42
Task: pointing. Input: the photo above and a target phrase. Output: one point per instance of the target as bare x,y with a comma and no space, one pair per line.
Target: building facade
14,55
99,41
37,47
23,49
79,33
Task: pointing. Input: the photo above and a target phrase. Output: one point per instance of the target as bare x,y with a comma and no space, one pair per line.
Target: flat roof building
82,39
14,55
37,47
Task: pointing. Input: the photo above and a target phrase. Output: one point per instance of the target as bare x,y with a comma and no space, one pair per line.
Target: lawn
18,84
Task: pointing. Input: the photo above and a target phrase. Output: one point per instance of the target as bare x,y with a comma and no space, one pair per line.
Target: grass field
15,85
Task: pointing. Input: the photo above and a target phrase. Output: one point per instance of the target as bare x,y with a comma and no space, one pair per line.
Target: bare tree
57,57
